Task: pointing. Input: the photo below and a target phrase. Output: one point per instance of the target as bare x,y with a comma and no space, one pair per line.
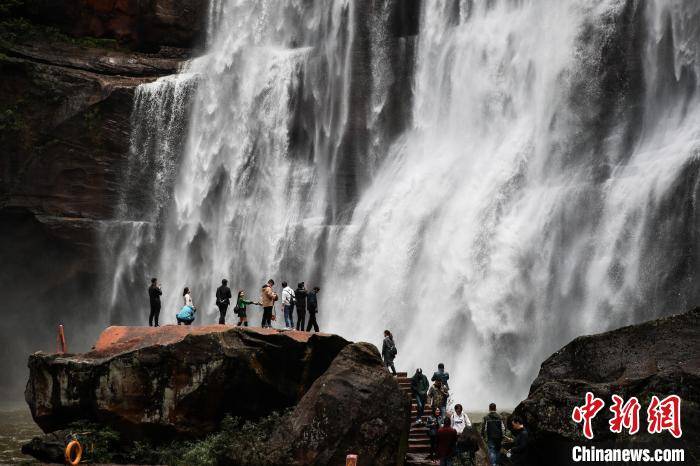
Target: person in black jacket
389,351
300,296
312,307
154,293
223,300
493,430
519,453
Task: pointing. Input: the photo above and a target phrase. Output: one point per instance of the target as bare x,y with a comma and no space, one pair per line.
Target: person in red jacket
446,443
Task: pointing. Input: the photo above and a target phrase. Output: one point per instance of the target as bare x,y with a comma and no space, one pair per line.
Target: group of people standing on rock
303,300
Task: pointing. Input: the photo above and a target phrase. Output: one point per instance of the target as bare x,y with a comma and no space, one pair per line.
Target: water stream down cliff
488,179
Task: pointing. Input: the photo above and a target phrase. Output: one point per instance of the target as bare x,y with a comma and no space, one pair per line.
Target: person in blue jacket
186,314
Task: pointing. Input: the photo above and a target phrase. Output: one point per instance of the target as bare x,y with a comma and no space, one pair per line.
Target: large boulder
356,407
176,381
660,357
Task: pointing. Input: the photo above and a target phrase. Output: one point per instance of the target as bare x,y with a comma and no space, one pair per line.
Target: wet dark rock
176,381
49,448
99,60
659,357
65,108
141,24
355,407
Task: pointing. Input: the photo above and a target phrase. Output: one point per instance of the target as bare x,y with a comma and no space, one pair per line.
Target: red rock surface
119,339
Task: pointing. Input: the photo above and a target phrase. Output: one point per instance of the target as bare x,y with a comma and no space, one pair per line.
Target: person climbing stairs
418,441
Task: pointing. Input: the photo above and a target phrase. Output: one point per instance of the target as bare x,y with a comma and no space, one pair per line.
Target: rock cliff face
660,357
68,71
175,381
142,24
65,107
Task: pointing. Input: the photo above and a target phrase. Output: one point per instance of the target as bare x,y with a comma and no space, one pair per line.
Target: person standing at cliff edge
240,308
154,293
300,295
223,300
312,306
389,351
288,306
267,298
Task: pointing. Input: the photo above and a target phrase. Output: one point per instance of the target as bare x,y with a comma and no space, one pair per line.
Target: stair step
419,448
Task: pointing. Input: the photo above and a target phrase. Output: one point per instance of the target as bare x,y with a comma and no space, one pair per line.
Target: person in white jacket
460,420
288,304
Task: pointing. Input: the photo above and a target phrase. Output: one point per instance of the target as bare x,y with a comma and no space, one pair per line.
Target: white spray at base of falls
527,204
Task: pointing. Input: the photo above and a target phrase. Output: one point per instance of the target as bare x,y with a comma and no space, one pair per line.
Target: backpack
292,299
392,348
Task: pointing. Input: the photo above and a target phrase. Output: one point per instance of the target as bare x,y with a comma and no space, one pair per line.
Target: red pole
62,348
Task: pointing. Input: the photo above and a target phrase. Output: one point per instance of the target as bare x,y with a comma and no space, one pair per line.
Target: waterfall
518,174
158,122
528,204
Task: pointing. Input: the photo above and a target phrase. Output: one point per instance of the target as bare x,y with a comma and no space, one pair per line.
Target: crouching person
188,311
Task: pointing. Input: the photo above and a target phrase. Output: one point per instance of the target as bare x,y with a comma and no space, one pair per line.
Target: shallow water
16,428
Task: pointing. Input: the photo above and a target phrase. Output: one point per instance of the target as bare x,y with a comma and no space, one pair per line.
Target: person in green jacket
419,387
240,309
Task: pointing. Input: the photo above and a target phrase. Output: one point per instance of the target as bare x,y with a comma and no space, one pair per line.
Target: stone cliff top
119,339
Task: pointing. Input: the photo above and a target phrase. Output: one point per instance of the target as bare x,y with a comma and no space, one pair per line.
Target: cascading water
274,150
522,209
158,122
545,186
241,194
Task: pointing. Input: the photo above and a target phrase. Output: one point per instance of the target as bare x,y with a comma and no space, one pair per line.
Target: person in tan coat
267,298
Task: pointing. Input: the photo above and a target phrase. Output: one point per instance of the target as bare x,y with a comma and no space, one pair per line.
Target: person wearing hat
300,295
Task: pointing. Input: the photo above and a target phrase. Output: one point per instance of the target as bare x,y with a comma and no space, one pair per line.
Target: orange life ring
73,444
